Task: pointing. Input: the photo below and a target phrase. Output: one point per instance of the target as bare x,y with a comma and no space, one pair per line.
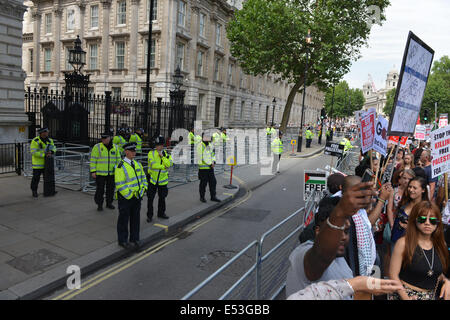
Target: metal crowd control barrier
268,275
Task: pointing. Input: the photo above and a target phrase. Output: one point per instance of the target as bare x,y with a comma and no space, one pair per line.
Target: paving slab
79,243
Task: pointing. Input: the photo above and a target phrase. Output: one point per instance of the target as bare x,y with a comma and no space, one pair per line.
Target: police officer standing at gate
120,139
137,138
105,156
131,185
159,162
206,162
309,135
42,150
277,149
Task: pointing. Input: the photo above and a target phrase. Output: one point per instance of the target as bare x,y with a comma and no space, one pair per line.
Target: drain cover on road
247,214
36,261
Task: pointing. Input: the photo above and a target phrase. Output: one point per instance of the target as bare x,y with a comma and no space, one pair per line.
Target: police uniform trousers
129,210
276,163
192,153
207,177
49,176
36,178
162,194
100,182
320,138
308,143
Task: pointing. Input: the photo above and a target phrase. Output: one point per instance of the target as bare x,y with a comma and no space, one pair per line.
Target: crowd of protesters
379,234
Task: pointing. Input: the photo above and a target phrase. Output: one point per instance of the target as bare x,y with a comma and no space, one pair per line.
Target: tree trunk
288,106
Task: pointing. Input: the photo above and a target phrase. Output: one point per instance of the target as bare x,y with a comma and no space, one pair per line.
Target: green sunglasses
433,220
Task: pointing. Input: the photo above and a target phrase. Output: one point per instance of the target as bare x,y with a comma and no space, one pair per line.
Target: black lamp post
147,83
77,91
176,99
300,134
274,101
331,114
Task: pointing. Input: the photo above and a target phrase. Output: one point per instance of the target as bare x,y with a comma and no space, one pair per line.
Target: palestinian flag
315,178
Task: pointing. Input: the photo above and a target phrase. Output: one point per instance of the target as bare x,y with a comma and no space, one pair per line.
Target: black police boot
202,199
163,216
216,199
35,194
110,206
100,207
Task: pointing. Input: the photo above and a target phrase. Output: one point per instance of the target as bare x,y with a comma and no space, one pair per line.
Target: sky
427,19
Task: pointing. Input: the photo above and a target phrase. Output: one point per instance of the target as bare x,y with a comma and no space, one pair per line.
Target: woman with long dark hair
421,258
416,192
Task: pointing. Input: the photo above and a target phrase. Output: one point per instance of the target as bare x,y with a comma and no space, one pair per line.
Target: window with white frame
31,59
116,92
94,16
179,61
200,56
121,12
217,62
48,23
181,13
68,65
152,53
93,56
230,73
47,59
70,19
155,9
120,55
202,24
218,34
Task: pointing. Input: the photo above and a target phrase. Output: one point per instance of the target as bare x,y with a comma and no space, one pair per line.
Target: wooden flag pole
371,161
376,174
395,157
387,161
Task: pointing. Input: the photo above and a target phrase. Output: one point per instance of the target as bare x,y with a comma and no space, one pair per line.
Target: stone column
13,120
131,85
37,17
106,4
57,14
82,5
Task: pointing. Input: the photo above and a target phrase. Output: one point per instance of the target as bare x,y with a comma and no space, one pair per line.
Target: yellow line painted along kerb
228,194
166,228
135,259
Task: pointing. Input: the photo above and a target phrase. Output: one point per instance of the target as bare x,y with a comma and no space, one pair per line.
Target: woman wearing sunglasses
415,193
420,259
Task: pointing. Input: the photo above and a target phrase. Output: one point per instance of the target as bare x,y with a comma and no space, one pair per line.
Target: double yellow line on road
146,253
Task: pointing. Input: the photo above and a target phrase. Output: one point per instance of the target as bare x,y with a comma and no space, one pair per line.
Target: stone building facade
377,98
13,120
186,33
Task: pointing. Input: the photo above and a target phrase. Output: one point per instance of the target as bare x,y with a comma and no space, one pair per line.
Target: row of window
92,59
121,16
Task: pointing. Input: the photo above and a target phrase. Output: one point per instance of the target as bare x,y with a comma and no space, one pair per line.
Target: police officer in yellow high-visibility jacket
309,135
131,185
120,139
159,162
105,156
137,138
277,149
42,147
206,162
346,142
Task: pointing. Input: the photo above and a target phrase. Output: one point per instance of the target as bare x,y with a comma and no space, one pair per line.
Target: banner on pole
416,65
314,180
420,132
394,140
334,149
427,132
367,130
443,120
380,139
440,151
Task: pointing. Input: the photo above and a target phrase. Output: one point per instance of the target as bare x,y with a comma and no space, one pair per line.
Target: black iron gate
11,157
84,120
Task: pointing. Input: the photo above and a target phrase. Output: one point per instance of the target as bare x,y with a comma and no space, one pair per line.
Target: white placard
413,79
380,139
440,151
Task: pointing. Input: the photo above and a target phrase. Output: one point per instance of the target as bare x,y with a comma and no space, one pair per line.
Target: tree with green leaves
390,95
346,100
268,37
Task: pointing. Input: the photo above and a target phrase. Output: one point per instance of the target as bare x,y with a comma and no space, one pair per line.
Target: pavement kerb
289,155
53,279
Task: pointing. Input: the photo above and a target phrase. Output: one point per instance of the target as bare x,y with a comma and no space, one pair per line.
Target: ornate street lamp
77,57
177,98
300,136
